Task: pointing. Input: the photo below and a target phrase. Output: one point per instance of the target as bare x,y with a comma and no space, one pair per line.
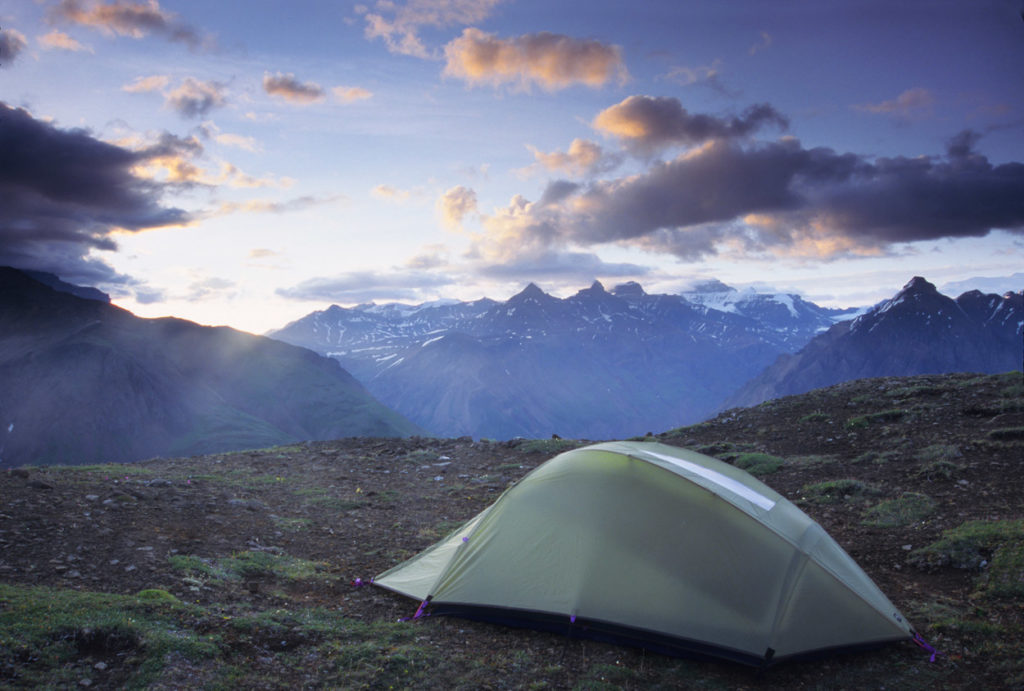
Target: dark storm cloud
781,197
11,45
289,88
63,192
195,98
135,19
649,123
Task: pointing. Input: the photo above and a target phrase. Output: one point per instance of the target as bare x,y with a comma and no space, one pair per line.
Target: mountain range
595,365
919,331
83,381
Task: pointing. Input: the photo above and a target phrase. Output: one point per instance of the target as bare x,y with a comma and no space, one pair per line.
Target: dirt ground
355,507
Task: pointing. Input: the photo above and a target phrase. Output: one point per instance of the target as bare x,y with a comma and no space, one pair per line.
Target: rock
39,484
101,666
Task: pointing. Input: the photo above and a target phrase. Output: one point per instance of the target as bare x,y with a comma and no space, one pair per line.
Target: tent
648,544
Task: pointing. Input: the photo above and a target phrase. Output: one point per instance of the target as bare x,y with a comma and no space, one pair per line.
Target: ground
242,570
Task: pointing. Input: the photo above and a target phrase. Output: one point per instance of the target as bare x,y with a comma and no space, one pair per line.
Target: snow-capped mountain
597,364
919,331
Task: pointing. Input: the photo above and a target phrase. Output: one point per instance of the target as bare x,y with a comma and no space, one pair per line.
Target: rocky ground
238,570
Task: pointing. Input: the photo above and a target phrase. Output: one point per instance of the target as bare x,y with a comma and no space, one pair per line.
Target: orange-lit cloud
455,204
125,18
390,193
649,122
154,82
351,94
583,157
552,61
399,25
289,88
58,40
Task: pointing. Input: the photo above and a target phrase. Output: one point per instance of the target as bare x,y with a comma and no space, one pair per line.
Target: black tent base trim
617,634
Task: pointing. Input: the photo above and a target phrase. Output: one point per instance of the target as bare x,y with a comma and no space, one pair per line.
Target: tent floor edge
596,630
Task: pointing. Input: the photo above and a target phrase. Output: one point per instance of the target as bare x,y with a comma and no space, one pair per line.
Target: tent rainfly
652,545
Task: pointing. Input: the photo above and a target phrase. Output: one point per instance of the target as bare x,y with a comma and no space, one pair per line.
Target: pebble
101,666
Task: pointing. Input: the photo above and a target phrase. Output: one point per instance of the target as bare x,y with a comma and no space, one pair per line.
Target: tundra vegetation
240,570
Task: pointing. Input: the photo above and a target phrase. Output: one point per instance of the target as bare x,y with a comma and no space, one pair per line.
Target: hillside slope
237,570
82,381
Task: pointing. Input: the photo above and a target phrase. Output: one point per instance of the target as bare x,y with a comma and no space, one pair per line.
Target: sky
246,163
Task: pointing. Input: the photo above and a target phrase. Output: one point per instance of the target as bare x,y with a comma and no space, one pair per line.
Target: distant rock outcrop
83,381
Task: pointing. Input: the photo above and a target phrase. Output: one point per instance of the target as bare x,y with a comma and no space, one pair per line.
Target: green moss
758,464
876,457
1007,434
816,417
838,491
970,544
909,507
548,446
49,636
881,417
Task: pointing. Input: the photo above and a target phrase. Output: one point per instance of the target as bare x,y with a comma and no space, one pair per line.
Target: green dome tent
652,545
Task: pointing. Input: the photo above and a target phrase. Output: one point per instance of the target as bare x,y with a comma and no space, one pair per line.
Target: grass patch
547,446
812,460
816,417
838,491
881,417
970,545
1007,434
50,638
909,507
292,525
876,457
337,503
758,464
939,452
242,565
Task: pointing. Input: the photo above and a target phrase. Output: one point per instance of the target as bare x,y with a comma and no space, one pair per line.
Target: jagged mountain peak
918,284
712,285
630,289
530,293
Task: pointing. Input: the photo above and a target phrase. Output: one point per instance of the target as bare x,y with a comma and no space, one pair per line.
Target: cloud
764,44
361,286
399,25
917,101
64,193
648,123
267,206
191,99
238,141
455,204
702,75
143,85
58,40
583,157
194,98
574,267
552,61
350,94
12,42
134,19
767,199
289,88
390,193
